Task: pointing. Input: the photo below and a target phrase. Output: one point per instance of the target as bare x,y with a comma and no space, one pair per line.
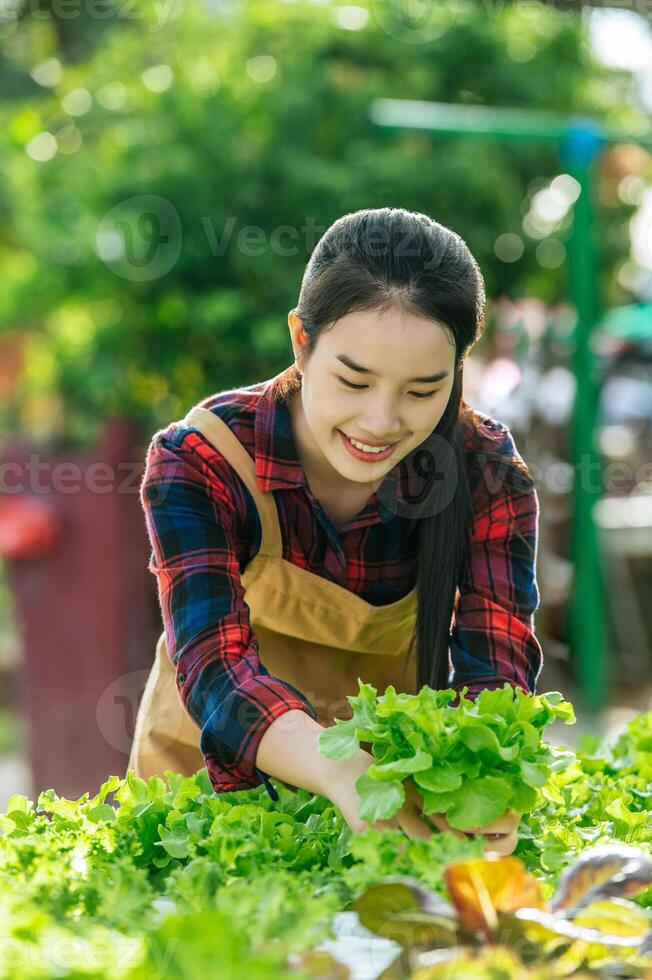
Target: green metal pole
495,122
586,608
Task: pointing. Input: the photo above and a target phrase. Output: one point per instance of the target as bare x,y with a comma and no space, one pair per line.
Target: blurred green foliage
7,629
230,115
12,734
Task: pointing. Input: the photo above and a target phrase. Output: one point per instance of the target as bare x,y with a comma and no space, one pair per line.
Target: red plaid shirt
204,529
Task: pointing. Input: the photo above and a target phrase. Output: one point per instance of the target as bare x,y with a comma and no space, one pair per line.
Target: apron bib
312,633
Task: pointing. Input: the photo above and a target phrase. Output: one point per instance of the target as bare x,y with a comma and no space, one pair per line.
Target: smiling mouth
367,456
373,445
383,446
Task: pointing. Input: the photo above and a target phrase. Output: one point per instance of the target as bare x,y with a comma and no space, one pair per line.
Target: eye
416,394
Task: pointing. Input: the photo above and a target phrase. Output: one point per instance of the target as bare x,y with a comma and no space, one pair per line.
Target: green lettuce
472,761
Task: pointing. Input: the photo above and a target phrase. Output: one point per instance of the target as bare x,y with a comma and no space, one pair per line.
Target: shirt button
181,677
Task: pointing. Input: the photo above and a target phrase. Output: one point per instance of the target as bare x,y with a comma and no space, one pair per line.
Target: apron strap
222,438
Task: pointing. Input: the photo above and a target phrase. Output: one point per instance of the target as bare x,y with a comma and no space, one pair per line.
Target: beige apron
311,632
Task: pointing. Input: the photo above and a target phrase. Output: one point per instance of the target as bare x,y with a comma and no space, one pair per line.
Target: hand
507,827
501,836
410,818
344,795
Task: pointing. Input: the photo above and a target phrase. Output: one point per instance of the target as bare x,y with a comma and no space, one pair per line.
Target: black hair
391,258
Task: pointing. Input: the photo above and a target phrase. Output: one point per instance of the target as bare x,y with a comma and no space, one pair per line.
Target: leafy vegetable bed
168,879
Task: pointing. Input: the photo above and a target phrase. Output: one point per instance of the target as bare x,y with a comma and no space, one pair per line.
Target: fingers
442,824
383,824
438,819
501,836
504,825
412,793
506,845
409,819
411,822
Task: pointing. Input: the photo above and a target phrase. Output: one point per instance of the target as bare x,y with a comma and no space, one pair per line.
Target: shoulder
236,407
484,432
180,452
490,448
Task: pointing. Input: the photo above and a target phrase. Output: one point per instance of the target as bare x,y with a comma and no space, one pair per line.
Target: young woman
317,527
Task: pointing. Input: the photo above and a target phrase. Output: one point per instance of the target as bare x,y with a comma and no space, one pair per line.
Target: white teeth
368,449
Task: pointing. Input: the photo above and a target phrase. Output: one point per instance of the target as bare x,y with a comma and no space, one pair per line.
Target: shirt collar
277,463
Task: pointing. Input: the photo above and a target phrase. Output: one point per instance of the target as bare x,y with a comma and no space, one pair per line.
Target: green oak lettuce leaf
379,800
342,740
339,741
476,803
438,779
408,764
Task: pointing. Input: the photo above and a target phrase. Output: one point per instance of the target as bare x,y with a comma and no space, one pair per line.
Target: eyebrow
362,370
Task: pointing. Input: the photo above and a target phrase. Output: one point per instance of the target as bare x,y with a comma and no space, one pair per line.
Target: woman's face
387,404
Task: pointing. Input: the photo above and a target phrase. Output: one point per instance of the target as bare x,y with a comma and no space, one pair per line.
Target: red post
76,553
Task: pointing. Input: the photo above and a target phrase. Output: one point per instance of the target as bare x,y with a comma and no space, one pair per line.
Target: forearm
289,751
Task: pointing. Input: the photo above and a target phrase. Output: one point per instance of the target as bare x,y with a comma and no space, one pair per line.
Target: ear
298,334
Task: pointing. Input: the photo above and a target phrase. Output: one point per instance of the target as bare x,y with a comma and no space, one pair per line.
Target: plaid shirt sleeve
493,641
194,512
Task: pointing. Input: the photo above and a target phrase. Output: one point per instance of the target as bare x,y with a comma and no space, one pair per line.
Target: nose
380,428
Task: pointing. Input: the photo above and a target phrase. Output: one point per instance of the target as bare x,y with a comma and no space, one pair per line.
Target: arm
289,751
493,640
195,511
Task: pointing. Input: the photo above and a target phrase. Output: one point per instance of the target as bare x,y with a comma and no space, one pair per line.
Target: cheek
439,410
430,416
326,416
